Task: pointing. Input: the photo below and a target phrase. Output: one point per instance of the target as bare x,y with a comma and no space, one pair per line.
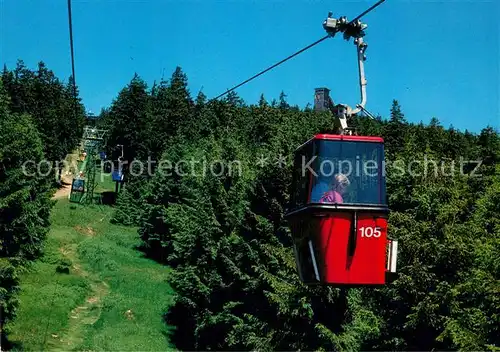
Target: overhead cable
71,45
295,54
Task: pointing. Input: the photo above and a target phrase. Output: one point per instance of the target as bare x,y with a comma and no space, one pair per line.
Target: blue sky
438,58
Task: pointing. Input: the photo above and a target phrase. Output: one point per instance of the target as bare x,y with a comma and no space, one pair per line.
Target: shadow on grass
108,198
182,327
9,346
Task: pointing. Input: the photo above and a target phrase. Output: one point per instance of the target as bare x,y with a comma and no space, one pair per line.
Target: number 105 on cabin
370,231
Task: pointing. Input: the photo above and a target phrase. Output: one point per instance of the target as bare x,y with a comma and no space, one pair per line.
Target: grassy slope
112,298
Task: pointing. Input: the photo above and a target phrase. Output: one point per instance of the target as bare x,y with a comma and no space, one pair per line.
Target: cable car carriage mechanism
338,215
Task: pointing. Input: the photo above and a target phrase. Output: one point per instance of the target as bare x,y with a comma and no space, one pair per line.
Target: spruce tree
24,201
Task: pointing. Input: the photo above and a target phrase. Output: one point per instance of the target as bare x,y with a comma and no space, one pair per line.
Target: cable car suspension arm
354,29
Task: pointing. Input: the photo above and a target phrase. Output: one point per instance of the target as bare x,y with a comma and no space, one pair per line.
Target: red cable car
338,217
339,211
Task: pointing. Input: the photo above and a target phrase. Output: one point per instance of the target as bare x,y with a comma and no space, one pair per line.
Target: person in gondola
339,186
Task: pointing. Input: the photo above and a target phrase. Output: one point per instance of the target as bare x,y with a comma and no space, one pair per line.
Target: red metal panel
331,241
336,137
338,261
368,264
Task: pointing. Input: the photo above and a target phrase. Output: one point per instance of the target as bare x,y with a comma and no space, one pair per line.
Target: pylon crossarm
92,133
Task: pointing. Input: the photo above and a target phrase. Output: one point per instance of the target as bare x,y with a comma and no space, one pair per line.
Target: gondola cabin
338,215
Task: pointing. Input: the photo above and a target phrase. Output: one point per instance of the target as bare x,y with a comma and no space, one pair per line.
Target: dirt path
65,189
67,176
86,314
62,192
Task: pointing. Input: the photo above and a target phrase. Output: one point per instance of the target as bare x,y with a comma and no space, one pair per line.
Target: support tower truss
93,139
